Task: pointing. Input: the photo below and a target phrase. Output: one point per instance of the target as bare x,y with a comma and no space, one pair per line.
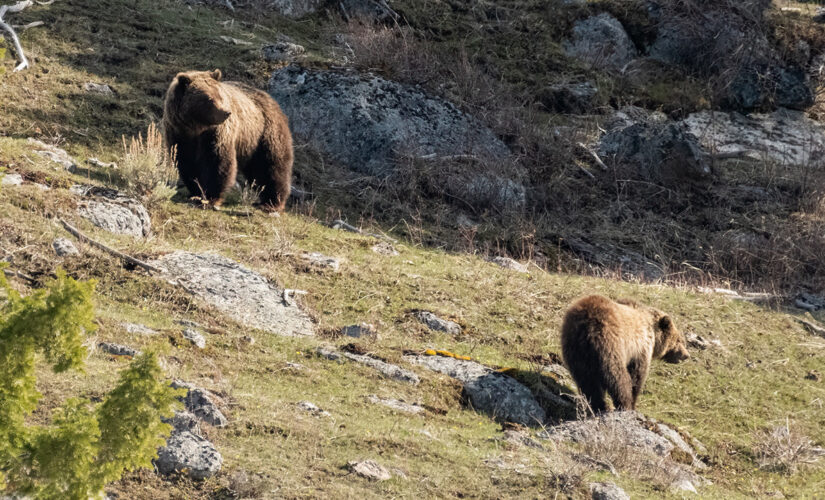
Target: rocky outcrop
784,136
437,324
488,391
113,211
654,150
600,42
189,454
388,370
240,293
374,126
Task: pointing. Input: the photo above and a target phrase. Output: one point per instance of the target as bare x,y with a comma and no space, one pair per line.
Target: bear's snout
676,355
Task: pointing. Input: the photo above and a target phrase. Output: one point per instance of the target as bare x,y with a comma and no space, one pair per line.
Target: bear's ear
665,323
217,75
183,80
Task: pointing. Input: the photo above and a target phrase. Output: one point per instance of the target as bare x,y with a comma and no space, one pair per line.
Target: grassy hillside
726,397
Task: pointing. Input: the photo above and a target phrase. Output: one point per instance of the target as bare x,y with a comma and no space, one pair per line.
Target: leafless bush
784,449
147,168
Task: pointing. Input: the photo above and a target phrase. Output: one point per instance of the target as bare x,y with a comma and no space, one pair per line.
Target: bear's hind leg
271,170
619,385
593,393
638,369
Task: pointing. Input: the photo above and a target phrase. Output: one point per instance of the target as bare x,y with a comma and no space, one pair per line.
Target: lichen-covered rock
54,153
113,211
11,179
488,391
190,454
508,263
200,402
282,51
195,337
241,293
784,136
98,88
433,322
396,404
185,421
600,41
313,409
318,260
655,151
117,349
374,126
64,248
607,491
358,331
388,370
370,469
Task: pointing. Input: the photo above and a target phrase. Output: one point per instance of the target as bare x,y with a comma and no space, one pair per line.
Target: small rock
810,302
358,331
184,421
607,491
188,323
139,329
508,263
600,41
683,486
295,8
194,337
98,88
282,51
63,247
200,402
819,17
814,375
117,349
11,180
113,211
396,404
433,322
55,154
294,366
190,454
385,248
321,261
387,369
248,339
313,409
234,41
488,391
370,469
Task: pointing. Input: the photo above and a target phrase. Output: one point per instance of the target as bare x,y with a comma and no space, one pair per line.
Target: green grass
722,397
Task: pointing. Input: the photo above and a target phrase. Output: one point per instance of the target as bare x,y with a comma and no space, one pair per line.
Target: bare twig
595,156
339,224
19,6
589,174
24,27
17,274
107,249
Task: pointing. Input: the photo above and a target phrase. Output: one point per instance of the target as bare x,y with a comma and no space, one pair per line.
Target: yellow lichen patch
446,354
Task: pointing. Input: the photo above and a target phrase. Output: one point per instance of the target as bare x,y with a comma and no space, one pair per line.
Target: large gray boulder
655,150
488,391
374,126
190,454
113,211
239,292
784,136
600,42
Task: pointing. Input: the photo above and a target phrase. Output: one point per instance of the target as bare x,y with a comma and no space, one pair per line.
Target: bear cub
608,346
222,128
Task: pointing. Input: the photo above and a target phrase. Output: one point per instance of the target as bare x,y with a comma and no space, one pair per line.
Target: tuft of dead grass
784,449
147,168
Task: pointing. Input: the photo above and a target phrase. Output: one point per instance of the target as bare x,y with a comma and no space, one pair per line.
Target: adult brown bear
608,346
221,128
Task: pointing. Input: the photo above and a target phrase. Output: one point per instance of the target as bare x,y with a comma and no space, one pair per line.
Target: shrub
85,446
147,168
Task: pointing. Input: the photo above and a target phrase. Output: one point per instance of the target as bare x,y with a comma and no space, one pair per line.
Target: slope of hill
764,373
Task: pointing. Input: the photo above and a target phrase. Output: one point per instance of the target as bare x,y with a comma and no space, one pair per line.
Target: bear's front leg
218,171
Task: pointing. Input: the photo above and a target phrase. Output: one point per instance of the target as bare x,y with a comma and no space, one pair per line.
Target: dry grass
147,168
784,449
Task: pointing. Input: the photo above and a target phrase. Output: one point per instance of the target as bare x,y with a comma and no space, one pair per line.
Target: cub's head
670,342
194,100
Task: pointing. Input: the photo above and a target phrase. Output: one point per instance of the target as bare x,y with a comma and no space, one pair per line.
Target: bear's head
195,101
670,342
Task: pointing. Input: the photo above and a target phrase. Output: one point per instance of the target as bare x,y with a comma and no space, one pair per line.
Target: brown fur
221,128
608,346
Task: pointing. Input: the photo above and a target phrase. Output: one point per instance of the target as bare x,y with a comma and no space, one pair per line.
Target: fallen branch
589,174
17,274
19,6
595,156
24,27
812,327
107,249
339,224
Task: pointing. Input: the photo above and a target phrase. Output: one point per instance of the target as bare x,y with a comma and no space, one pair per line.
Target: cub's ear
217,75
183,80
665,323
